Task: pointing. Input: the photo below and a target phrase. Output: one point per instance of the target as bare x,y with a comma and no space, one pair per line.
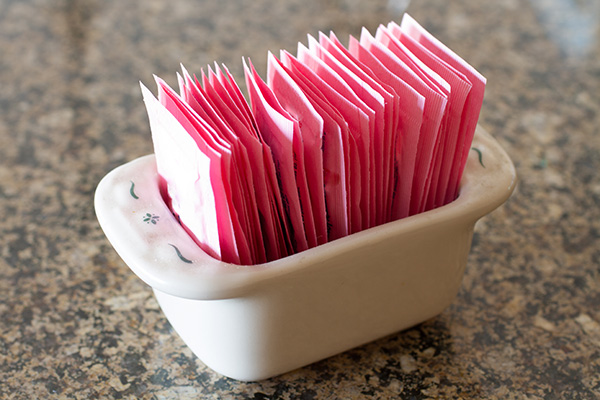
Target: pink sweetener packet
220,88
241,156
352,119
277,129
310,123
264,177
244,198
282,225
207,138
250,137
410,119
228,81
436,83
361,123
276,227
376,103
473,102
458,95
335,157
391,104
200,205
219,95
299,162
434,107
452,113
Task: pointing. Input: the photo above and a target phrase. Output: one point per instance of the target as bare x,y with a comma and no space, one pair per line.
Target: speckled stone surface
76,323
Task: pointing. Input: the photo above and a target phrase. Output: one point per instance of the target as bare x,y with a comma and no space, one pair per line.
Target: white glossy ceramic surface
254,322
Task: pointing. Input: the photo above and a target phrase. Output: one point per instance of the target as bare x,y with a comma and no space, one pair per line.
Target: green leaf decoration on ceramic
479,154
151,218
181,257
132,191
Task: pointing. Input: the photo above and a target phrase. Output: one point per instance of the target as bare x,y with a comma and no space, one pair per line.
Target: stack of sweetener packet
336,140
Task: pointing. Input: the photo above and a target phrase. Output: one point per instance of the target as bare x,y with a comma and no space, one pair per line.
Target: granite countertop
76,323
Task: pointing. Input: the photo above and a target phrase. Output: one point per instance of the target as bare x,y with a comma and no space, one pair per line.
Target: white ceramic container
255,322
